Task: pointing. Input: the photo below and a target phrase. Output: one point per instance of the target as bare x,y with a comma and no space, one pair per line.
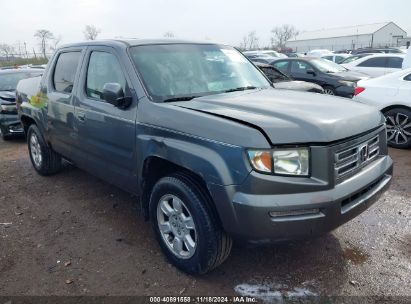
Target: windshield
8,81
327,66
171,71
351,59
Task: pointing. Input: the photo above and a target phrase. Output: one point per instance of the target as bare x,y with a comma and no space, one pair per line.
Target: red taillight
358,90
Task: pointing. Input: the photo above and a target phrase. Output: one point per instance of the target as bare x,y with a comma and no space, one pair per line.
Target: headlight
292,162
8,109
347,83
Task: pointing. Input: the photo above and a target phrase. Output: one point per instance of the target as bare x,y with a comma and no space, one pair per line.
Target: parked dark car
282,81
9,122
210,148
332,77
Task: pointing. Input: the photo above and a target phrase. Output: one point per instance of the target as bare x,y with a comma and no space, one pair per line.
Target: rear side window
300,67
282,66
65,71
408,77
394,62
103,68
378,62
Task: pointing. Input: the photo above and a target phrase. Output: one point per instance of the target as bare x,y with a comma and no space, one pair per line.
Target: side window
300,67
103,68
394,62
328,58
377,62
65,71
408,77
282,66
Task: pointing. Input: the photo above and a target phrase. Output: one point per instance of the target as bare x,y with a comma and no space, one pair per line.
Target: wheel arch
394,106
156,167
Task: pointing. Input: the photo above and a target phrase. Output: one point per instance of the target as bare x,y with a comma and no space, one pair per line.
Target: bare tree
56,41
44,36
250,41
6,50
169,35
91,32
281,34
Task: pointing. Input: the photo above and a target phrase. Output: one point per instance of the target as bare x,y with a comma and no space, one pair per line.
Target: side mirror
311,72
113,93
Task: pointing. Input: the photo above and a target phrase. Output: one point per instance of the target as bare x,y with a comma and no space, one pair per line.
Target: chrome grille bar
355,157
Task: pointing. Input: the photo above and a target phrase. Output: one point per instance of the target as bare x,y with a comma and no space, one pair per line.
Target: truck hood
288,117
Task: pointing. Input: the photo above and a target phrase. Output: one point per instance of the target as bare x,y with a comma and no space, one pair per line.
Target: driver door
106,134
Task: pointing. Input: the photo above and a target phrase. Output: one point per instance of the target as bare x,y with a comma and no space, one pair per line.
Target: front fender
215,162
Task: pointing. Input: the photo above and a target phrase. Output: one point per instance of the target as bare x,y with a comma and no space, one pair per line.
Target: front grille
349,160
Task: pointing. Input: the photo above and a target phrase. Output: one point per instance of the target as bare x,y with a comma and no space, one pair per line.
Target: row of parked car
377,79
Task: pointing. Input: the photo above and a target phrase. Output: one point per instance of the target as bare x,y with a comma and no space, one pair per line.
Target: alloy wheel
398,128
176,226
35,150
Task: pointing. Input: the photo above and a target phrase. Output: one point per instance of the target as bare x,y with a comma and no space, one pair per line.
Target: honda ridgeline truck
211,149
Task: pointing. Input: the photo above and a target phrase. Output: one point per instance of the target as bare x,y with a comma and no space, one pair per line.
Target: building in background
347,38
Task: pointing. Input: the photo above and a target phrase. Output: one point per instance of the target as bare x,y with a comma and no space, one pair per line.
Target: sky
216,20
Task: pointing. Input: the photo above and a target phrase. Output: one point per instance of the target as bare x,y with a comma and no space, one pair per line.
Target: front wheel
329,90
398,122
186,226
45,161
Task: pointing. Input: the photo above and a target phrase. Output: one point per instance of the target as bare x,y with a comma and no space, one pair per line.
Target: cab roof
123,43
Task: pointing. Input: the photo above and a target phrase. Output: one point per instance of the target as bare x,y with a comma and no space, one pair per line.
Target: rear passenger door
62,78
106,134
373,66
393,64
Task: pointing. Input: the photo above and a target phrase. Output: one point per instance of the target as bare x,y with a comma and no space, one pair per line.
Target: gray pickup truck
211,149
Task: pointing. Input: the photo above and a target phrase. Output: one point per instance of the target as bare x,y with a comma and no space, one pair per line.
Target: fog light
294,212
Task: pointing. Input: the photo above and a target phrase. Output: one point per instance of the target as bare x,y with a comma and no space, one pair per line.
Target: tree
56,41
44,36
281,34
250,41
91,32
6,50
169,35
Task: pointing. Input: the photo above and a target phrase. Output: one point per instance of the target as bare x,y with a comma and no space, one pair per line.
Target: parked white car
337,58
391,94
407,60
261,53
319,53
377,65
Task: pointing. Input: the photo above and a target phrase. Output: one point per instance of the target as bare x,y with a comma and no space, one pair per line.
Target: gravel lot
72,234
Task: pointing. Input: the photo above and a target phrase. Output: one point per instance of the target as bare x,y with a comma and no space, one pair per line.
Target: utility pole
25,50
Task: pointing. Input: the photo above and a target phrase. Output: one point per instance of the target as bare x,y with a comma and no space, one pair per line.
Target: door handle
81,117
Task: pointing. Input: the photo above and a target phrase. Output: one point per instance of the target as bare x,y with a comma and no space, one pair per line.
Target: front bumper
252,220
10,124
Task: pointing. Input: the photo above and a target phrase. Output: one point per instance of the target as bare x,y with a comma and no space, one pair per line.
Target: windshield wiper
240,89
182,98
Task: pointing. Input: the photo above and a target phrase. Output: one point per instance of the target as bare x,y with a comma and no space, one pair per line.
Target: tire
398,122
211,245
328,90
3,134
44,160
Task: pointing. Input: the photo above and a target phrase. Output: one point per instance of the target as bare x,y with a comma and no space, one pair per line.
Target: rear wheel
186,226
43,158
398,122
